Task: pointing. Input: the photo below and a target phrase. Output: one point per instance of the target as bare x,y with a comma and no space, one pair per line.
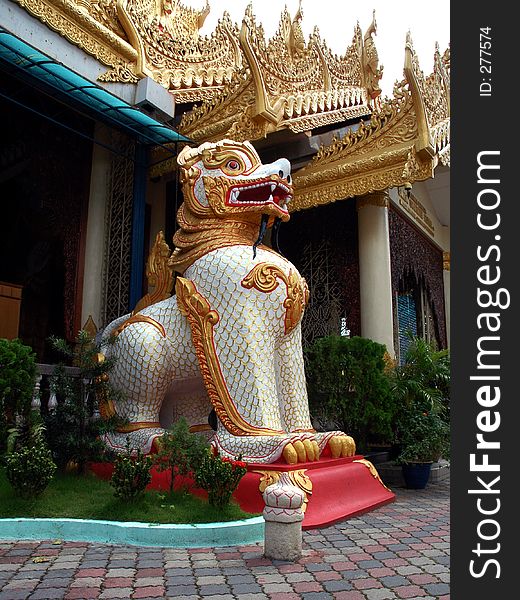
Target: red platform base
336,488
341,488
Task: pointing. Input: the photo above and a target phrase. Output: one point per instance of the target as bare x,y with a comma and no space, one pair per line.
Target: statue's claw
342,446
290,455
301,451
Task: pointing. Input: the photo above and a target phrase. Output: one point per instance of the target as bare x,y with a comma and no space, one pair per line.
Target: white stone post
375,277
283,516
36,401
446,256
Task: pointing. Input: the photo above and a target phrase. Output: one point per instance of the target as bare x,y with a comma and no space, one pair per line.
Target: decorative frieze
380,199
413,206
446,259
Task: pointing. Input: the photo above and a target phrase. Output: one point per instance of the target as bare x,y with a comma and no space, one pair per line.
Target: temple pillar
138,224
446,256
375,278
95,238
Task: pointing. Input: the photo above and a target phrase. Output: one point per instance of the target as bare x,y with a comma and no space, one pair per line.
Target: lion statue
226,348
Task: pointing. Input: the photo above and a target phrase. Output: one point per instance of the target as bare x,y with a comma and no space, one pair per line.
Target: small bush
131,474
348,386
180,451
29,467
220,477
74,426
17,377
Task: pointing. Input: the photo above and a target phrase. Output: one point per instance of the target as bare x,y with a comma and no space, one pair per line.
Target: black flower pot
416,475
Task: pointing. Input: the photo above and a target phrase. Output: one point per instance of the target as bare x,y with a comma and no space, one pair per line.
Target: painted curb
197,535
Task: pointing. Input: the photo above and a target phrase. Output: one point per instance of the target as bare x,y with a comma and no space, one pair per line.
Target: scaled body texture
229,340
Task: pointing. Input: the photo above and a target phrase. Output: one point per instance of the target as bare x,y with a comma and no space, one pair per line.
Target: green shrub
17,377
29,466
180,451
74,426
348,386
220,477
421,387
131,473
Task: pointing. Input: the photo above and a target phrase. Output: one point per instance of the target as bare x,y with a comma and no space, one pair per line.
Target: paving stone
182,590
238,579
351,595
437,589
337,585
246,588
409,591
22,595
357,555
379,594
212,590
148,581
149,592
369,564
393,581
116,593
210,580
305,576
57,582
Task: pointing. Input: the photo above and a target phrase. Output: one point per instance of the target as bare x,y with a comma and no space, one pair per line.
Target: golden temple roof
237,84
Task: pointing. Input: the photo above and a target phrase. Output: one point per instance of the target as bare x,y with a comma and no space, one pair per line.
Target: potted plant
421,389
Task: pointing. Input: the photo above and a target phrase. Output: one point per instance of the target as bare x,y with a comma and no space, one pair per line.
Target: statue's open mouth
261,193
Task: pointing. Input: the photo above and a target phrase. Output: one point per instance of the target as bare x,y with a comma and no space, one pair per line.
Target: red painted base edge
341,488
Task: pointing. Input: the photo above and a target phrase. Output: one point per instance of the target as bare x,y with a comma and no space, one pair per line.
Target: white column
374,270
446,256
95,242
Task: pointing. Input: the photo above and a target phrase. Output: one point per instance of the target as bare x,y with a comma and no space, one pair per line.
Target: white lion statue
229,340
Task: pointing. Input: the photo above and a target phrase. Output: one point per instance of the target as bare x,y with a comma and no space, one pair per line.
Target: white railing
46,372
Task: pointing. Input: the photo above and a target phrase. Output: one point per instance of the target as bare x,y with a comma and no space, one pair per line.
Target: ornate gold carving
398,145
380,199
90,327
121,72
83,29
288,84
202,320
138,318
158,273
373,471
159,38
264,278
165,34
298,478
104,12
372,73
202,228
137,426
414,207
446,260
430,94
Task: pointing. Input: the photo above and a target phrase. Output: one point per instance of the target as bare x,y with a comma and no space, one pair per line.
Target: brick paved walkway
398,551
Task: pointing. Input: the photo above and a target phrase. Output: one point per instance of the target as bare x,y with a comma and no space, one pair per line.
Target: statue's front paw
342,446
301,451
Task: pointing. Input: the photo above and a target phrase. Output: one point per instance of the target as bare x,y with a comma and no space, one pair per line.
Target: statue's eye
233,165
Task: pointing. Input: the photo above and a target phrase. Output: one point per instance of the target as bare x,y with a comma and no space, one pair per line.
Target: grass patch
87,497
